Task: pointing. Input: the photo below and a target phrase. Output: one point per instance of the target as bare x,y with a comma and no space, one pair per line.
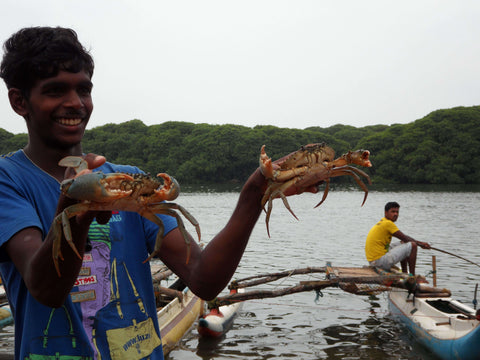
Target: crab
309,166
139,193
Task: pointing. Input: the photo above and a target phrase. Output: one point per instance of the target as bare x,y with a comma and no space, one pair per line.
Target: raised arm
210,270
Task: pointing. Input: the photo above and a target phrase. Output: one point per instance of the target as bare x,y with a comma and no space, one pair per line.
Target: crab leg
185,213
325,193
351,171
57,242
158,242
62,221
297,181
275,194
169,209
354,169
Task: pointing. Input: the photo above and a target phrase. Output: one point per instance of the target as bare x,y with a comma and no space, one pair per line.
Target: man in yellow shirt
378,250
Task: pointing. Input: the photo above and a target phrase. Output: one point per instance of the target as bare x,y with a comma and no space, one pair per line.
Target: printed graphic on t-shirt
92,287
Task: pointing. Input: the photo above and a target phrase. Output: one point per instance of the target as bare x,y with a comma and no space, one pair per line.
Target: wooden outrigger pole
360,281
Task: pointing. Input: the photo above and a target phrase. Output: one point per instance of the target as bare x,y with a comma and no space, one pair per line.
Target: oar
458,256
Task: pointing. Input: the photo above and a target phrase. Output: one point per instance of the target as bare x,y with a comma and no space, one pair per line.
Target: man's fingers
94,161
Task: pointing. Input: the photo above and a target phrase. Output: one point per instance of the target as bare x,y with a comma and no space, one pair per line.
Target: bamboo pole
302,286
167,291
265,278
457,256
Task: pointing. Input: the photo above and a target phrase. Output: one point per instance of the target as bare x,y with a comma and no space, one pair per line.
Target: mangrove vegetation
441,148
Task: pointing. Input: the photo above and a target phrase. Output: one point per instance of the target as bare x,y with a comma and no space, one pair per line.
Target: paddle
458,256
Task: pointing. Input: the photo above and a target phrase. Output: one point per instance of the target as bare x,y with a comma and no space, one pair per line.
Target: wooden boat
450,329
6,317
177,310
217,322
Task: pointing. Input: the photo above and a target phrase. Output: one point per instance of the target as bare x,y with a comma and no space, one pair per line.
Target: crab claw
75,162
170,189
266,166
359,157
96,187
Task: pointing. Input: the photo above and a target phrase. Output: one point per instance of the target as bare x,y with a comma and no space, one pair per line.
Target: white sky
285,63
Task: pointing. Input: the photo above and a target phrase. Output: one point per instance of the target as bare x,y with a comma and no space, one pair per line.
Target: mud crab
139,193
309,166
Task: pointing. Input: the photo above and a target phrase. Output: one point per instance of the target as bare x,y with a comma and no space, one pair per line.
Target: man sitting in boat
381,253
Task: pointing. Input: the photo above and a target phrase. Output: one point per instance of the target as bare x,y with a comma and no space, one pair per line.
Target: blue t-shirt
29,198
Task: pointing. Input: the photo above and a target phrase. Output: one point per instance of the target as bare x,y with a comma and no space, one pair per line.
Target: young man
48,75
378,250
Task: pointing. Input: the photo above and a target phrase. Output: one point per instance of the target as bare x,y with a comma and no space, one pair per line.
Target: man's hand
94,161
292,190
423,245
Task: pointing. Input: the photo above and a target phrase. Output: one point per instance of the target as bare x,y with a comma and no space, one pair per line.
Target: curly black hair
392,204
36,53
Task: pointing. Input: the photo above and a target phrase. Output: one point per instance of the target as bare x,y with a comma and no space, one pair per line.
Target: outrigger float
447,327
219,319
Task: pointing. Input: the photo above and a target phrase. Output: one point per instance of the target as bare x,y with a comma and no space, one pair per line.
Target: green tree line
441,148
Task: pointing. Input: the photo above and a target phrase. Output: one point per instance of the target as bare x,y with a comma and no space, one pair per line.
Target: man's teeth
70,122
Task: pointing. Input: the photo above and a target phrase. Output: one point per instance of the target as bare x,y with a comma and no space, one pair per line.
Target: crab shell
309,166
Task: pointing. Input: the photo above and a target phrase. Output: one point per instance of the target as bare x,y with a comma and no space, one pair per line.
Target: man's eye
85,91
54,91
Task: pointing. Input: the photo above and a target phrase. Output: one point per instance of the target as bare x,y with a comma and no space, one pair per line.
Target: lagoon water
336,325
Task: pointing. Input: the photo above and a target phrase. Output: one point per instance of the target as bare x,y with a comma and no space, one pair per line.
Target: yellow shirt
379,238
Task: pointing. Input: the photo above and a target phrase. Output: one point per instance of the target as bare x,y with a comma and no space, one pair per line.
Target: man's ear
17,101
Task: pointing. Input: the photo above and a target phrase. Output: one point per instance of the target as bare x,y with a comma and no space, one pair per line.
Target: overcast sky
285,63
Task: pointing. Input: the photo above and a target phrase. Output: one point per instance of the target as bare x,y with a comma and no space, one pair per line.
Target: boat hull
218,321
446,327
6,317
177,318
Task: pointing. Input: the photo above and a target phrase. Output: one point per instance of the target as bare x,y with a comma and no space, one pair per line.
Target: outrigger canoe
6,317
216,323
448,328
177,310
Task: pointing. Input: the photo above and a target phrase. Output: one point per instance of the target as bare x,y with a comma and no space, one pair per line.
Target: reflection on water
338,325
7,342
373,338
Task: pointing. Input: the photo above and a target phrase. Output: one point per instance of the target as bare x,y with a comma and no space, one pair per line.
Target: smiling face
58,109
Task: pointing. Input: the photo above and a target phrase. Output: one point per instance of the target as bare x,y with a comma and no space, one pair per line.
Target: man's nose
73,99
